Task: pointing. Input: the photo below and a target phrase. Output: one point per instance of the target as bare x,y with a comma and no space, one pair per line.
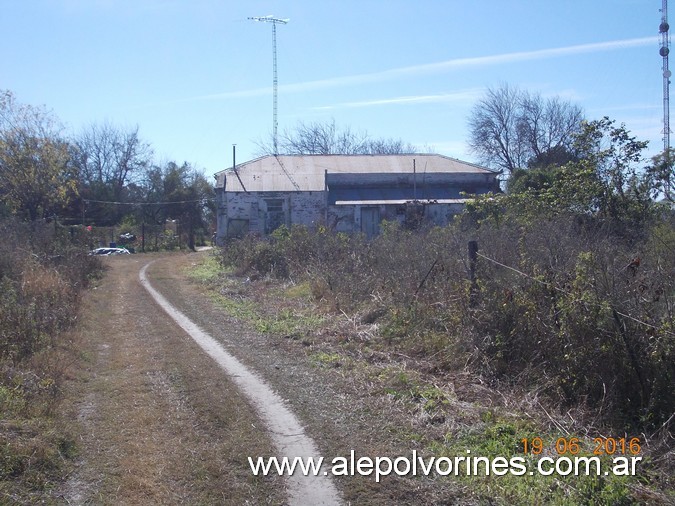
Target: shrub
564,302
42,270
587,314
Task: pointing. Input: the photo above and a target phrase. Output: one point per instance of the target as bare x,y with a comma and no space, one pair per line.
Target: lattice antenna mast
275,22
665,49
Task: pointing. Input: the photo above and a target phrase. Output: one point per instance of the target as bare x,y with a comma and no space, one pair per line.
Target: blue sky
196,75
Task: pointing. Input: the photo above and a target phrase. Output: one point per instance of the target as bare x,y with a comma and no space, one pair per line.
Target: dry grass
426,385
38,303
158,423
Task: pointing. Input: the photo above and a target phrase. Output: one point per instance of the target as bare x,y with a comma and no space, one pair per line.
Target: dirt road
287,432
160,422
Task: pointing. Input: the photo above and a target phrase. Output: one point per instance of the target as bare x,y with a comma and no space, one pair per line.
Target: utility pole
275,22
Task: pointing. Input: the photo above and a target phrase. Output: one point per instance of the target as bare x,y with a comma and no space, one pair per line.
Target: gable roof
307,172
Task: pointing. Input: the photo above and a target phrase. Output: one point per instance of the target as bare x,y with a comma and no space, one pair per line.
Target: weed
43,269
207,271
566,309
500,438
323,359
404,386
299,291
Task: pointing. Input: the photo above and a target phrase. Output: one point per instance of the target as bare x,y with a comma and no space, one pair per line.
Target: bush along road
167,412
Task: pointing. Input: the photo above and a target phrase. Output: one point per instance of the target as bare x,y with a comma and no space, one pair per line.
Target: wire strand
636,320
205,199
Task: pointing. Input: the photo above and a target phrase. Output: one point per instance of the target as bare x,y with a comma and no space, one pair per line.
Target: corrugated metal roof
307,172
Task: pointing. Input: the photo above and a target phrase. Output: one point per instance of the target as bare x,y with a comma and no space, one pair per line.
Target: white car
110,251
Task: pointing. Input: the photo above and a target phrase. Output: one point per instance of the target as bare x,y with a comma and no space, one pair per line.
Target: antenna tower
665,43
275,22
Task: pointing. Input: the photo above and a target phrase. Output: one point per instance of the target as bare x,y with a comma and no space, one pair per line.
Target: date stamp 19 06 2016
574,445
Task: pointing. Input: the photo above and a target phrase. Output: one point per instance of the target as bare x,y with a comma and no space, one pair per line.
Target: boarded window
237,228
370,221
275,216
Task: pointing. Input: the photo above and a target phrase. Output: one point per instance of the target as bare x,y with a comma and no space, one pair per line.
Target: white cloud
439,67
459,96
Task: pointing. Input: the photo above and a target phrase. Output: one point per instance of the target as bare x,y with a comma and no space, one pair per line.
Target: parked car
110,251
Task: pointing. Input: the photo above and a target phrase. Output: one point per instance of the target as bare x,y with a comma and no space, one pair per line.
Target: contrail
438,67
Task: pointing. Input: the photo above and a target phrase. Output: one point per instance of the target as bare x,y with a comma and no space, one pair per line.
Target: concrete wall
240,213
347,218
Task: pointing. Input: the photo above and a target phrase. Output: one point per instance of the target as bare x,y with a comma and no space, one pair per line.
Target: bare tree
495,136
549,128
328,139
110,156
511,129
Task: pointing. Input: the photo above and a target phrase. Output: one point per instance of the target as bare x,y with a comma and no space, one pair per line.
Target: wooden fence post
473,257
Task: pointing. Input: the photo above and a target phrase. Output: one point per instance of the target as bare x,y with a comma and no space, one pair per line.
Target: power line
112,202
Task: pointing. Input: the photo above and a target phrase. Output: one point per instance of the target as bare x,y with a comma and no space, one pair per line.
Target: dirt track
160,423
286,431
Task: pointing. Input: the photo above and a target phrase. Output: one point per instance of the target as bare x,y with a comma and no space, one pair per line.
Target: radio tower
665,43
275,22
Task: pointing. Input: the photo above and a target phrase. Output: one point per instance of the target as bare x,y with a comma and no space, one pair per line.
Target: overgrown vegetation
575,312
571,304
571,307
43,269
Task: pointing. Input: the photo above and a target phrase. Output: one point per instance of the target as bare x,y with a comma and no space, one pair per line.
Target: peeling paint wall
347,218
345,193
262,212
308,208
240,213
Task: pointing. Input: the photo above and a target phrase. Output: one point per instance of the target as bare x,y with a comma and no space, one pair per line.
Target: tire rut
156,422
286,430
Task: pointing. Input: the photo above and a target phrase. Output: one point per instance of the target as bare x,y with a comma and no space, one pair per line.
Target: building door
370,221
275,216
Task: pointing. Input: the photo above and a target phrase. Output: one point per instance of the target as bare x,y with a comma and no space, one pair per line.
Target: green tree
605,181
36,177
661,173
182,193
538,179
610,161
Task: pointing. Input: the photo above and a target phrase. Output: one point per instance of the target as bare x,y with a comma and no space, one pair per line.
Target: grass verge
449,411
